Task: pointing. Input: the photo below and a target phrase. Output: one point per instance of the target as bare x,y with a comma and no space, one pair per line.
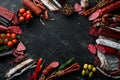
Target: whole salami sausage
104,10
29,4
108,43
110,33
106,49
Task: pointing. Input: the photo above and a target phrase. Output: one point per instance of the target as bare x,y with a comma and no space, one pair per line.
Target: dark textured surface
57,41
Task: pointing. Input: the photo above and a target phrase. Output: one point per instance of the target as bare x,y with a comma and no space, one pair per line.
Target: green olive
87,71
85,66
90,74
94,69
90,67
83,72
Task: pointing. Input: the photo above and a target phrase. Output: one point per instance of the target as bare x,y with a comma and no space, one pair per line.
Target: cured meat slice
15,29
3,28
108,43
19,52
94,15
4,12
110,33
92,49
94,31
104,10
77,7
21,47
106,49
50,68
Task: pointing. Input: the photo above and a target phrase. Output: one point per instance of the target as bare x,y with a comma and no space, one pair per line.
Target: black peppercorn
67,9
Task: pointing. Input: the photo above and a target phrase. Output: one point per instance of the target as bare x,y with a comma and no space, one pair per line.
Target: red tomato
21,19
28,11
13,35
6,40
24,14
22,10
19,14
28,17
14,41
9,43
2,35
8,35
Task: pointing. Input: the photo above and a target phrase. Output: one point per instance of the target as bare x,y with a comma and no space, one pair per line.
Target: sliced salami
21,47
19,52
94,15
92,49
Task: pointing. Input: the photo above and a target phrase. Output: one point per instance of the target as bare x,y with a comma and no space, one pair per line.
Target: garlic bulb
84,3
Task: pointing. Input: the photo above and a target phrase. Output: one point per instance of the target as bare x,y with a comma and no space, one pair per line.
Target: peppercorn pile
67,9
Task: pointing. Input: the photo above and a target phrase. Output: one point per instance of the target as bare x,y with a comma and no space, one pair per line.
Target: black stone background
58,40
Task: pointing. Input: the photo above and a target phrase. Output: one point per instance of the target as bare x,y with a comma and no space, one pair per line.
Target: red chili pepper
38,65
37,70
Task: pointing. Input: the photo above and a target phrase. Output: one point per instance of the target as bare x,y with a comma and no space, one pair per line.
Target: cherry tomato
2,35
24,14
13,35
21,19
22,10
19,15
1,41
6,40
14,41
8,35
9,43
28,17
28,11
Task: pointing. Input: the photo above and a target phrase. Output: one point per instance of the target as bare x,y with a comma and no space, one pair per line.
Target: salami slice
15,29
21,47
92,49
19,52
94,15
